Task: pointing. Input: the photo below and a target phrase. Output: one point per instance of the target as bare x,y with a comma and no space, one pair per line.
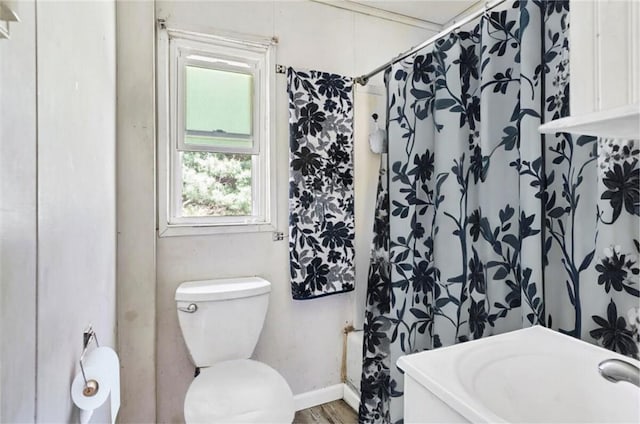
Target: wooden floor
336,412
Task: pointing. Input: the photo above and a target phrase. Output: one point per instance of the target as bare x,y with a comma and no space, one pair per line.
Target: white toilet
221,321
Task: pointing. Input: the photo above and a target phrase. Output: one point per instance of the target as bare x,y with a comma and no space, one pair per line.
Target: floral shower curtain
483,225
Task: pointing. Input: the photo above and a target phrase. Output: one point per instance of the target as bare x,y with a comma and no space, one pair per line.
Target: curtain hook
456,28
485,11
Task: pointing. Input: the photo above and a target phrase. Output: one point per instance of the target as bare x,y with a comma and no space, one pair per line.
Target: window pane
216,184
218,107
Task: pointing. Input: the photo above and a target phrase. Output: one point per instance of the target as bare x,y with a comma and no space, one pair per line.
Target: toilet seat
240,390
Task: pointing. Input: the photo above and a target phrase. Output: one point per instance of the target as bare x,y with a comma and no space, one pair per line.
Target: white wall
605,54
76,192
369,99
136,274
18,219
301,339
57,228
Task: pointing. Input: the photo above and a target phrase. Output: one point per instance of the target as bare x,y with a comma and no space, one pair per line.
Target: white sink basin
534,375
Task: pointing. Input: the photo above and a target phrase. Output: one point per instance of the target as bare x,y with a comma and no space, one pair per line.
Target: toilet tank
227,318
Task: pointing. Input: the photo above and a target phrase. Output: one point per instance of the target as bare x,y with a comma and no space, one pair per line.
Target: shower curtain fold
483,225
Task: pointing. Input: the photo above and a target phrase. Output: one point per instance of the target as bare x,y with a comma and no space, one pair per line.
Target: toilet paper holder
91,387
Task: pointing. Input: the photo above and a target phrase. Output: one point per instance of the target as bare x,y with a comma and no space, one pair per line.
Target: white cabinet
604,54
605,70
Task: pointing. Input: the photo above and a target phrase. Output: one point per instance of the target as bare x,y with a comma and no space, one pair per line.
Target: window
214,133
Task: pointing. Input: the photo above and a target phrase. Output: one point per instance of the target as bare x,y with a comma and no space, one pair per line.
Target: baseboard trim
318,397
351,397
328,394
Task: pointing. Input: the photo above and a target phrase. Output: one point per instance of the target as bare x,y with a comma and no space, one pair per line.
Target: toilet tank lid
221,289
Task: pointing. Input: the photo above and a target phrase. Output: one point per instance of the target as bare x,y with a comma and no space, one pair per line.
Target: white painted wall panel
18,219
136,273
634,50
605,70
614,58
76,192
583,51
369,99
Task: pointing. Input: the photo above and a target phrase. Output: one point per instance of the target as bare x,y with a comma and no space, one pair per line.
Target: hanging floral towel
321,223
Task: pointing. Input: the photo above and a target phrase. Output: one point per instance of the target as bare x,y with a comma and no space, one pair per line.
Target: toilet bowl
221,321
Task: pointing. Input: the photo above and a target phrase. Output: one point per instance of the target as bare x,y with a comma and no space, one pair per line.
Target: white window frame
259,53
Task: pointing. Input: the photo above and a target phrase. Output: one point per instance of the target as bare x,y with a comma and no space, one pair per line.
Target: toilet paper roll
102,366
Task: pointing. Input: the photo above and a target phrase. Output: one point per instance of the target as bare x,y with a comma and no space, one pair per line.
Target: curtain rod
364,79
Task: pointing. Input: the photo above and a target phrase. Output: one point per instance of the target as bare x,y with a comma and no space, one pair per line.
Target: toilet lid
239,391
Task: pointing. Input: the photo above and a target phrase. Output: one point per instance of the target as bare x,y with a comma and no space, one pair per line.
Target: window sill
204,230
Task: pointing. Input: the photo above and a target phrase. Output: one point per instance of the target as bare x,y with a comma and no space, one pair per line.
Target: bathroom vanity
533,375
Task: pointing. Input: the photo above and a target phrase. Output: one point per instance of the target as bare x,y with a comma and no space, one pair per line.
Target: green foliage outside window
216,184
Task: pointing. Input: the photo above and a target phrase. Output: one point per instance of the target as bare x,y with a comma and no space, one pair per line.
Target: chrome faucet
616,370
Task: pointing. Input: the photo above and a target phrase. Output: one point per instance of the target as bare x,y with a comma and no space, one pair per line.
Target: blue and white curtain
321,220
487,226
